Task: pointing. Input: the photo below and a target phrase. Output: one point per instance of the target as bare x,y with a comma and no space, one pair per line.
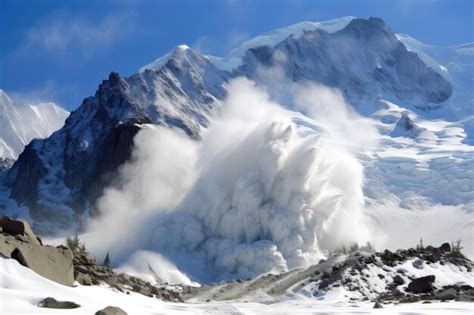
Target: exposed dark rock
398,280
88,271
406,127
50,302
378,305
421,285
115,150
445,248
24,177
111,310
83,279
446,294
19,228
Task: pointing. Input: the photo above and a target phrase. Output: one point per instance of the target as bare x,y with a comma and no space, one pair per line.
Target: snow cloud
266,190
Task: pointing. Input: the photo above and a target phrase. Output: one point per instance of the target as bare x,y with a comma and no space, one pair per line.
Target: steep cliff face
60,177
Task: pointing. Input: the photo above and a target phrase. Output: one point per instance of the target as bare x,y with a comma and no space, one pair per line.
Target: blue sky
61,50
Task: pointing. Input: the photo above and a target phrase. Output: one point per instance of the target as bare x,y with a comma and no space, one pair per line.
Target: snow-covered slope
21,290
20,123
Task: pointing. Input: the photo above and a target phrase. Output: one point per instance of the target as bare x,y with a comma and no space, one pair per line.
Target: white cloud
64,34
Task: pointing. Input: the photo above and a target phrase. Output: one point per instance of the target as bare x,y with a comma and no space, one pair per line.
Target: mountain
59,178
364,59
20,123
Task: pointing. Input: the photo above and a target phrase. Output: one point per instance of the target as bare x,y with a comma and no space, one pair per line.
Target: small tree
72,243
457,247
75,245
420,244
106,260
456,250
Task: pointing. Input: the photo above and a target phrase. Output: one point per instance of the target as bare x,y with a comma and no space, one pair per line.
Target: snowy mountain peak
180,52
4,98
232,60
183,47
275,37
377,65
20,123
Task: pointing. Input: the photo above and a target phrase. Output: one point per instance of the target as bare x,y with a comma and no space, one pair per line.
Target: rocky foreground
68,267
425,274
405,276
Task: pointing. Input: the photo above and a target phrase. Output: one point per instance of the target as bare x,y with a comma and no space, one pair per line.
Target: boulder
446,294
111,310
398,280
50,302
21,229
83,279
445,248
54,263
418,264
421,285
378,305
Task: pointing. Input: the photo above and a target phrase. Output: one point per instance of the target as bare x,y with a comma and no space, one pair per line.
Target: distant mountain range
20,123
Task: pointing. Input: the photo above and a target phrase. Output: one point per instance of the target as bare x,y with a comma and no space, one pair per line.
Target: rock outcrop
88,272
383,277
20,229
406,127
421,285
50,302
111,310
17,241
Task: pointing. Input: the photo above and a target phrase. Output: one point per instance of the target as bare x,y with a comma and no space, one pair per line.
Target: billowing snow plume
265,190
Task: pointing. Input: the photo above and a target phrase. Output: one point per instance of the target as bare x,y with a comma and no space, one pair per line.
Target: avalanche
272,199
